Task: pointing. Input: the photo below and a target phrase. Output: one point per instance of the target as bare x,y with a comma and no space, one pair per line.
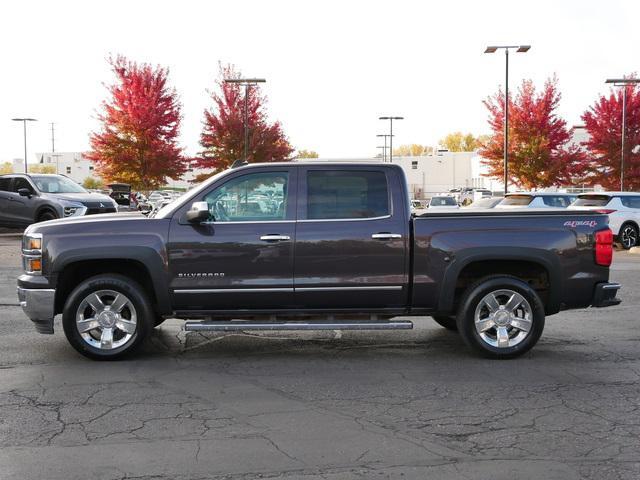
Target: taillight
606,211
604,247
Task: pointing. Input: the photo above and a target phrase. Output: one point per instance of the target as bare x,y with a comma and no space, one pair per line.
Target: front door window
250,198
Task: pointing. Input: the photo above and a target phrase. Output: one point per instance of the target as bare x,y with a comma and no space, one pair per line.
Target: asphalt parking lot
414,404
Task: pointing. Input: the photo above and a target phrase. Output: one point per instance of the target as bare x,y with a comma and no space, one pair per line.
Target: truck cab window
253,197
335,194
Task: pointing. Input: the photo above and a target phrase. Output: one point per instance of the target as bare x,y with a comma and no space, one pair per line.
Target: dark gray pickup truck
286,246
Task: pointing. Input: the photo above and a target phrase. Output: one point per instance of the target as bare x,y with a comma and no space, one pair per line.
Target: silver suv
25,199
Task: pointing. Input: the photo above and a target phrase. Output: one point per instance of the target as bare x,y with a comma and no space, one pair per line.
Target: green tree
461,142
307,154
6,168
92,183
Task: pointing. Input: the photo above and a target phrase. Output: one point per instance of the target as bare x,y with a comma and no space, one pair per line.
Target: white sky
332,67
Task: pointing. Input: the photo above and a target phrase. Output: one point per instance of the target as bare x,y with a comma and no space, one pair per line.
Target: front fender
145,248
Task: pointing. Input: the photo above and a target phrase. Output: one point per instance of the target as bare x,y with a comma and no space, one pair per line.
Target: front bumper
604,295
38,304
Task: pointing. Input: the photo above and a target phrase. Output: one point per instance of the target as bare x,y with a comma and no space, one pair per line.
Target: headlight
32,253
71,209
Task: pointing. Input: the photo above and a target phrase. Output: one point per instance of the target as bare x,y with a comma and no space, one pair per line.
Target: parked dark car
25,199
121,193
313,246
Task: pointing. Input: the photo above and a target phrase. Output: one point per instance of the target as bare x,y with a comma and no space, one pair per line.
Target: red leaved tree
137,142
222,137
603,122
539,150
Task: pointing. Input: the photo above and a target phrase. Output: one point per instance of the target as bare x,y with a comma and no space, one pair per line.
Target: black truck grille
94,211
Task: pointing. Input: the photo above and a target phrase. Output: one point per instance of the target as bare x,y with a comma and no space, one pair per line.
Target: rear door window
591,201
4,184
519,200
344,194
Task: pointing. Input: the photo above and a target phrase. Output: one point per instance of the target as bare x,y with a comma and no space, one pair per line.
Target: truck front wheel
500,317
107,316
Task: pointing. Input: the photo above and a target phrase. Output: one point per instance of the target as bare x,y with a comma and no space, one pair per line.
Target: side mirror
24,192
199,212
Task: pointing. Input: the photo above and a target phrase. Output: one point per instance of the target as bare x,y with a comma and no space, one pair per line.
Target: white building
72,164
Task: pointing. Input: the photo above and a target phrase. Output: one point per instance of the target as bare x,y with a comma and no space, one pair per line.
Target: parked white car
623,209
537,200
443,202
157,197
485,203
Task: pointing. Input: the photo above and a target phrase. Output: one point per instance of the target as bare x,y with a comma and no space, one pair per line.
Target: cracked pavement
359,405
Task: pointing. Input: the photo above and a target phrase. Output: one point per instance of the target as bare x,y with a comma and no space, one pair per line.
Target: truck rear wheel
501,317
107,316
446,321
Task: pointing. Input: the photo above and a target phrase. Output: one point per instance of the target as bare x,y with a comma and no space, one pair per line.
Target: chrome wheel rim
629,237
106,319
503,318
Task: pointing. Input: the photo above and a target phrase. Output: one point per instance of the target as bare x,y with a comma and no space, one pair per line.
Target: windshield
443,202
519,200
56,184
591,201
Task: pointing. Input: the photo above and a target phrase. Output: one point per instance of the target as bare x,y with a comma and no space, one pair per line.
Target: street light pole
519,49
57,157
24,126
506,119
53,138
385,135
624,83
246,83
391,119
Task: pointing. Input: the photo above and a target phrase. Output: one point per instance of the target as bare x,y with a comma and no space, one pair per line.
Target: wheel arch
539,268
150,275
44,208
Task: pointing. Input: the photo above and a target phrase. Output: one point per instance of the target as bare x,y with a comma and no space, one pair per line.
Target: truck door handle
385,236
275,238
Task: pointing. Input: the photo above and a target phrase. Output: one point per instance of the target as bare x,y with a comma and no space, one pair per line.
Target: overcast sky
331,67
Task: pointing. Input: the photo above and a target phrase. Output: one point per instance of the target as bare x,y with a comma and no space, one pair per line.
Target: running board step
235,325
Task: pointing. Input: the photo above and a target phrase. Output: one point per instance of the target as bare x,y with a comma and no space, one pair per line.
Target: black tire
473,297
628,236
145,316
446,321
47,215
